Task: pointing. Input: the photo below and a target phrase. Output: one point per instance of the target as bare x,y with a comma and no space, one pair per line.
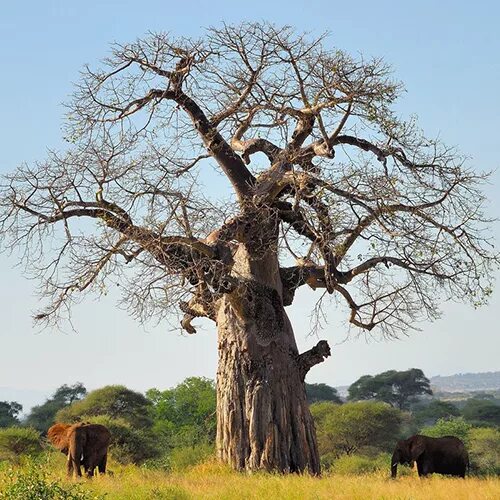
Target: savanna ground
45,479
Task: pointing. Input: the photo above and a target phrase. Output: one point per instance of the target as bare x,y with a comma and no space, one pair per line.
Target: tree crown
397,388
360,201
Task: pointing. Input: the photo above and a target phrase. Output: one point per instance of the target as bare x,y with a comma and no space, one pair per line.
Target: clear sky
446,53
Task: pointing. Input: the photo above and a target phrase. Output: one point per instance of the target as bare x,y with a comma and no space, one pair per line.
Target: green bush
128,444
454,426
484,451
18,441
115,401
353,428
32,484
185,415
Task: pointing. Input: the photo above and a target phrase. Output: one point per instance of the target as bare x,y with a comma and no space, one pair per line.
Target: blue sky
446,53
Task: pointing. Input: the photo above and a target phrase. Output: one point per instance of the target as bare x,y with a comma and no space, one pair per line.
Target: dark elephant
85,444
444,455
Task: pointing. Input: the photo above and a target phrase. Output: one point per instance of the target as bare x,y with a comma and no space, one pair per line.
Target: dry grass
212,481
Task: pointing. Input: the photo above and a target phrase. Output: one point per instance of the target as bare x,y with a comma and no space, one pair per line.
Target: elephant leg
90,471
73,467
91,462
69,466
102,464
86,465
423,468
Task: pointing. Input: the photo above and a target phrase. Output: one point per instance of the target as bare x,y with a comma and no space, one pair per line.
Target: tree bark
263,418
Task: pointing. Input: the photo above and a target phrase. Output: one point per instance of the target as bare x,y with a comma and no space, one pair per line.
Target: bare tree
329,189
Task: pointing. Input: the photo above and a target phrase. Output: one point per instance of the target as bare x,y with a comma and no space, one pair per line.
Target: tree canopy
482,411
435,410
9,412
388,220
453,426
114,401
322,392
398,388
41,417
185,414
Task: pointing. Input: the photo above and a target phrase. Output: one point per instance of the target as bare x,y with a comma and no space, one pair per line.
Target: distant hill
459,383
467,382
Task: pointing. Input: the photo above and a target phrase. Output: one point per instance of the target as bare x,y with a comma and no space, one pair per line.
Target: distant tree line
176,427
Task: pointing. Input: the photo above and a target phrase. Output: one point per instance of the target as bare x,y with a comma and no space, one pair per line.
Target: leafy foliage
32,483
481,411
18,441
129,445
43,416
322,392
454,426
114,401
398,389
435,410
185,414
484,451
9,412
351,427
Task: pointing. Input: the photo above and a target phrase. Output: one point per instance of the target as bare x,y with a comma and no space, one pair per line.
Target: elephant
84,443
444,455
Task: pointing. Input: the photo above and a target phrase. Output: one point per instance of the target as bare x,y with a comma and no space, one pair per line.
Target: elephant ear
417,447
58,436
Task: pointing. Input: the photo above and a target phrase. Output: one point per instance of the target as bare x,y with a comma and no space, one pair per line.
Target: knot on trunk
200,305
261,306
313,356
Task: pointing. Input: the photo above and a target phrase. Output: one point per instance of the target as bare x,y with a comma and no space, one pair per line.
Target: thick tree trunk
263,418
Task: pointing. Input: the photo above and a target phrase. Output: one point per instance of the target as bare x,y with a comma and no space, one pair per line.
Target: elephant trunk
394,465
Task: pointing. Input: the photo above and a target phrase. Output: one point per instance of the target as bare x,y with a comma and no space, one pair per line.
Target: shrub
484,451
128,445
115,401
351,427
32,484
185,415
455,426
18,441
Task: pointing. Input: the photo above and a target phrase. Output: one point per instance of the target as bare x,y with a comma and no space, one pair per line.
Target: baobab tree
327,188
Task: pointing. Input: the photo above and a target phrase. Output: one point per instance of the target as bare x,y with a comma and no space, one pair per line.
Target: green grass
213,481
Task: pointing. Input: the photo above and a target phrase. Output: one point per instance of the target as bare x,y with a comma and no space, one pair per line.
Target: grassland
212,481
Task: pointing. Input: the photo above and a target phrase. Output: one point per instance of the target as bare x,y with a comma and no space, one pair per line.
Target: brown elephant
85,444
